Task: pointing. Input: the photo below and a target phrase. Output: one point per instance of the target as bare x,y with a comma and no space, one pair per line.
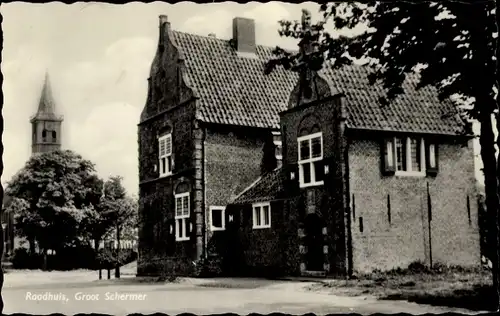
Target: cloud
21,90
111,144
100,99
266,18
219,22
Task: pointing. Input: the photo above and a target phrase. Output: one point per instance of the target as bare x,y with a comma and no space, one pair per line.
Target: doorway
314,242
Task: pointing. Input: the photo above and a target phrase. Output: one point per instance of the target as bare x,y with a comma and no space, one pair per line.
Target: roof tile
234,90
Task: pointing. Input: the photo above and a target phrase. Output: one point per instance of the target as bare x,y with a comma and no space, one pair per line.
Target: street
74,292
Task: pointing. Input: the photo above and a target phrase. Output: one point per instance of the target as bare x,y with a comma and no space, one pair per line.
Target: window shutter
431,159
168,145
387,152
292,179
319,170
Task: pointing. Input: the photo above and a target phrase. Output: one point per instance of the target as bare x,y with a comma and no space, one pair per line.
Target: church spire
46,124
46,105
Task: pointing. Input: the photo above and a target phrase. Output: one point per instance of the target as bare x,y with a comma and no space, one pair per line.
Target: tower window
44,135
54,134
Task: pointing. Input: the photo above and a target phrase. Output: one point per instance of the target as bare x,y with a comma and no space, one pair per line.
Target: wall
156,203
262,248
326,200
383,245
233,158
38,145
170,105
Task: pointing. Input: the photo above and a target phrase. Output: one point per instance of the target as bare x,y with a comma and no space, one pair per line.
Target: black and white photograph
260,157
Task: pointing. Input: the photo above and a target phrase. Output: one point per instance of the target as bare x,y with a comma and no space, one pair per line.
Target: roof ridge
228,40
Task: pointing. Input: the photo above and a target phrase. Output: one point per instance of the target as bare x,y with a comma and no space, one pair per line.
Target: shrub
208,267
22,259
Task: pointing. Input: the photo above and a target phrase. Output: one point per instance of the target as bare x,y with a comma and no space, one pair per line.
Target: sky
98,57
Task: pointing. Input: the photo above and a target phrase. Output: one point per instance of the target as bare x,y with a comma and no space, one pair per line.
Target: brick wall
169,105
326,200
384,245
233,160
156,203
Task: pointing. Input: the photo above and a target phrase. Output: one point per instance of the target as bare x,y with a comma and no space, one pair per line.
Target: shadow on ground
479,298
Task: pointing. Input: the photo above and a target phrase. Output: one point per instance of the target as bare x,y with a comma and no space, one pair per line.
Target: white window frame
408,172
278,143
223,221
259,207
183,217
165,155
310,161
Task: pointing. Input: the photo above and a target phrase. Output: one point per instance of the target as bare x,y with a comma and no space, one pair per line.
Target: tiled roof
234,90
266,188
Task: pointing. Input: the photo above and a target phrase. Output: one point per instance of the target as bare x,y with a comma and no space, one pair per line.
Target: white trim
278,143
223,220
301,138
390,154
166,155
311,160
183,217
261,211
432,155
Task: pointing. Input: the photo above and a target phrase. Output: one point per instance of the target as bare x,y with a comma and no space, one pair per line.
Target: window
407,154
261,215
54,138
165,155
217,218
182,223
44,135
278,145
432,156
310,160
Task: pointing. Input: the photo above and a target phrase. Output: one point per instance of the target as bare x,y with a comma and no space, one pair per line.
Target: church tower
46,124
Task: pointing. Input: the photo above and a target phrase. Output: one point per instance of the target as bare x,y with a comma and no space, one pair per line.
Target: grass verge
441,286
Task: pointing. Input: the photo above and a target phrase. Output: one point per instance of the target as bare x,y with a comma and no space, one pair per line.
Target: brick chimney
163,26
244,35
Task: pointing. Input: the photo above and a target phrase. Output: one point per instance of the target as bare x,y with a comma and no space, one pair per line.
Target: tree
120,210
450,45
52,198
95,223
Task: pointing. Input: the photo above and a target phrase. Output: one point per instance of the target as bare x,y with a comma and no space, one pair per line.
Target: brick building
220,171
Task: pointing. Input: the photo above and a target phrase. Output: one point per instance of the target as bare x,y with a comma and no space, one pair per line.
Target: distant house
279,174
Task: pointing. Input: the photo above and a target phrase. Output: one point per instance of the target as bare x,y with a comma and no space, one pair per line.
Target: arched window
182,208
44,135
54,136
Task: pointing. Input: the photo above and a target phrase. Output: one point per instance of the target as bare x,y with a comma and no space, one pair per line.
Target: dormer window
165,155
409,156
310,160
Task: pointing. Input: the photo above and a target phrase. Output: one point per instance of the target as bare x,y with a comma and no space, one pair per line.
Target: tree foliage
51,198
58,200
121,210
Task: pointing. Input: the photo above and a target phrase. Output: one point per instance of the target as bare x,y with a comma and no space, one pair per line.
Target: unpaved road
80,292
